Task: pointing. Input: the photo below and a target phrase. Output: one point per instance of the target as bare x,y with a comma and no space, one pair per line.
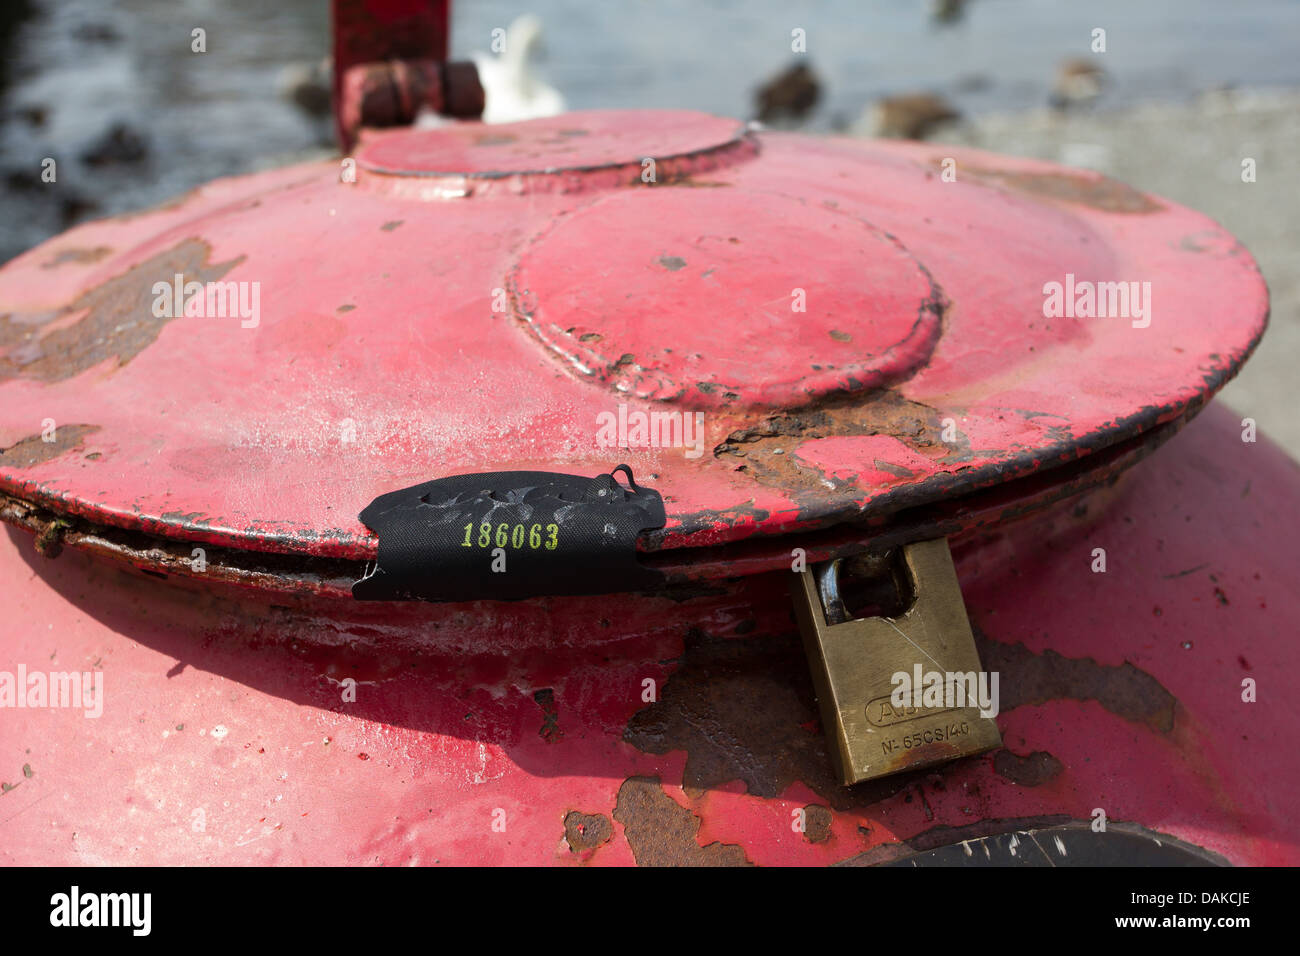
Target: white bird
512,90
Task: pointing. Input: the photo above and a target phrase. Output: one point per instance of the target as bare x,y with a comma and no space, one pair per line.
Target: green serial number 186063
513,536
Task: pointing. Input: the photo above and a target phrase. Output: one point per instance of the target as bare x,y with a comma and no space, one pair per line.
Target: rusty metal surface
395,92
113,322
661,832
523,733
371,31
379,361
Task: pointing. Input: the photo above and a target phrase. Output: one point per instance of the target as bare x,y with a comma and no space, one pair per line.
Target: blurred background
1184,92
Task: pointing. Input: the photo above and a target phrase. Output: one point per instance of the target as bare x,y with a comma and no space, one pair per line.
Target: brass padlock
903,692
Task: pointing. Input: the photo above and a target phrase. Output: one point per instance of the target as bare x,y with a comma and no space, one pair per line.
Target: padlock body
905,693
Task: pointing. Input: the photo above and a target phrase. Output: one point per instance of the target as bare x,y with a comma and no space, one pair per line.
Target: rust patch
1086,189
140,550
745,710
767,449
586,832
686,181
662,833
33,450
821,499
885,412
898,471
550,730
1030,678
49,543
1211,242
118,321
1031,770
817,823
79,256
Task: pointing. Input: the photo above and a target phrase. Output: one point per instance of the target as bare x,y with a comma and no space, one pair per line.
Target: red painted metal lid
853,332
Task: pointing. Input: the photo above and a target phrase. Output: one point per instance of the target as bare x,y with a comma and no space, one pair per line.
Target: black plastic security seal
510,535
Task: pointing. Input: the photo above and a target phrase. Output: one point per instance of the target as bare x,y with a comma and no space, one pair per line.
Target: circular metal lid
854,326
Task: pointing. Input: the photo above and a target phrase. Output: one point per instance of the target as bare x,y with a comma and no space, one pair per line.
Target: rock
22,181
788,96
73,209
308,86
947,11
911,116
96,33
120,144
34,114
1078,82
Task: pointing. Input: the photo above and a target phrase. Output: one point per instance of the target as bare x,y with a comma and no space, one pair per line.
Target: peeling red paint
662,833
